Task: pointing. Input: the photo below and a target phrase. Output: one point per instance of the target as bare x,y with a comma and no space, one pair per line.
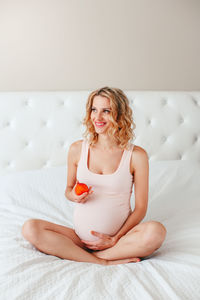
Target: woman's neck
106,143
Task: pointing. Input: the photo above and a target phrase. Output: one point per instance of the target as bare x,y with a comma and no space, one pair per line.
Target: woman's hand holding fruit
80,192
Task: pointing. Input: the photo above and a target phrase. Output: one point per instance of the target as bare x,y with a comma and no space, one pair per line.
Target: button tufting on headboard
37,128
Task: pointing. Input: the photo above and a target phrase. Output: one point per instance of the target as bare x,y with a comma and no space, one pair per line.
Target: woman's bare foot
107,262
120,261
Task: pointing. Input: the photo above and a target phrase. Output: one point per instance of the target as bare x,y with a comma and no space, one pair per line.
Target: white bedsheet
172,272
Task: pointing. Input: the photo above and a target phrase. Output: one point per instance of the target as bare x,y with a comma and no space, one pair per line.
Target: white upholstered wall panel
36,128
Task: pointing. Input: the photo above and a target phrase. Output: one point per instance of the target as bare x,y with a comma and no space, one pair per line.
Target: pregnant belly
99,216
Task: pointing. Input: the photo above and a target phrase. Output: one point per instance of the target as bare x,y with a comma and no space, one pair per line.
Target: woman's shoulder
139,157
139,150
77,143
76,146
75,150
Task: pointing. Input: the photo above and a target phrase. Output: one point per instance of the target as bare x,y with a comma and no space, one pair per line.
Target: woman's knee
154,234
31,230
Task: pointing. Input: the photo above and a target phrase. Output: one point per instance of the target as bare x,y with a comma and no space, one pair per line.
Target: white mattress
172,272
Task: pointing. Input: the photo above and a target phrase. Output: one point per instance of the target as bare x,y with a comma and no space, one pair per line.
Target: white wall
86,44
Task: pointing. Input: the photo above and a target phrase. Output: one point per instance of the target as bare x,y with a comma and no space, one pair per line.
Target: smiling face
108,113
100,114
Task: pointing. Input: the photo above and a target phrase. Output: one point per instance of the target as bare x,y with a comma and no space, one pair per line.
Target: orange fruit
81,188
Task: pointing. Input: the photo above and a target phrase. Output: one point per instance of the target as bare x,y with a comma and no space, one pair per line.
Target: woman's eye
105,111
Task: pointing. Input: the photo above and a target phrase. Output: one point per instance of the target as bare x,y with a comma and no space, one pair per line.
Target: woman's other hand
105,241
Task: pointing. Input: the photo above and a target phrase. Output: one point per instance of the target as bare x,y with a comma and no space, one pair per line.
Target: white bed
36,130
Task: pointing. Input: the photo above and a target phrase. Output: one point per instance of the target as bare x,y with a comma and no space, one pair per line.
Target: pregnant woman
106,231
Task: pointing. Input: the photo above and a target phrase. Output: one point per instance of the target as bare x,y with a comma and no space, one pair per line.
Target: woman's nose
99,116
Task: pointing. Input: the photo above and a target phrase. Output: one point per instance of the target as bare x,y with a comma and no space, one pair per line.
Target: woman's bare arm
71,168
72,162
140,167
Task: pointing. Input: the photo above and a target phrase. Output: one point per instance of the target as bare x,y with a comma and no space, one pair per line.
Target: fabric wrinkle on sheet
108,207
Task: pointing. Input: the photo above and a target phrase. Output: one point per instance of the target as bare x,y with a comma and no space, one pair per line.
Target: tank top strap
83,157
126,158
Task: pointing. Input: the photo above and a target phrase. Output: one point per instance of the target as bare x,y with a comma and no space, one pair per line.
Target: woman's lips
100,124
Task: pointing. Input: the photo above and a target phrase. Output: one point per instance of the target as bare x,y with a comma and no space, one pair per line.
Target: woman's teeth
100,124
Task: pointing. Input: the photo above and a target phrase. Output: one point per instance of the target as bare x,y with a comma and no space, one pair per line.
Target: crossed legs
63,242
140,241
56,240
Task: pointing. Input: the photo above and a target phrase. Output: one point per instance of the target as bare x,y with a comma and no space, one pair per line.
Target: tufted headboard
37,128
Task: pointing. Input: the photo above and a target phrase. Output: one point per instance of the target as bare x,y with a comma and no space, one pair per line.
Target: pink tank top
108,207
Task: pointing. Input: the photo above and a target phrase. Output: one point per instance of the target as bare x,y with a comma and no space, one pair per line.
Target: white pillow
174,188
36,194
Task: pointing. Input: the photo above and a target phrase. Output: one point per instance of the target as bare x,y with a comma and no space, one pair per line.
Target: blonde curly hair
122,124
